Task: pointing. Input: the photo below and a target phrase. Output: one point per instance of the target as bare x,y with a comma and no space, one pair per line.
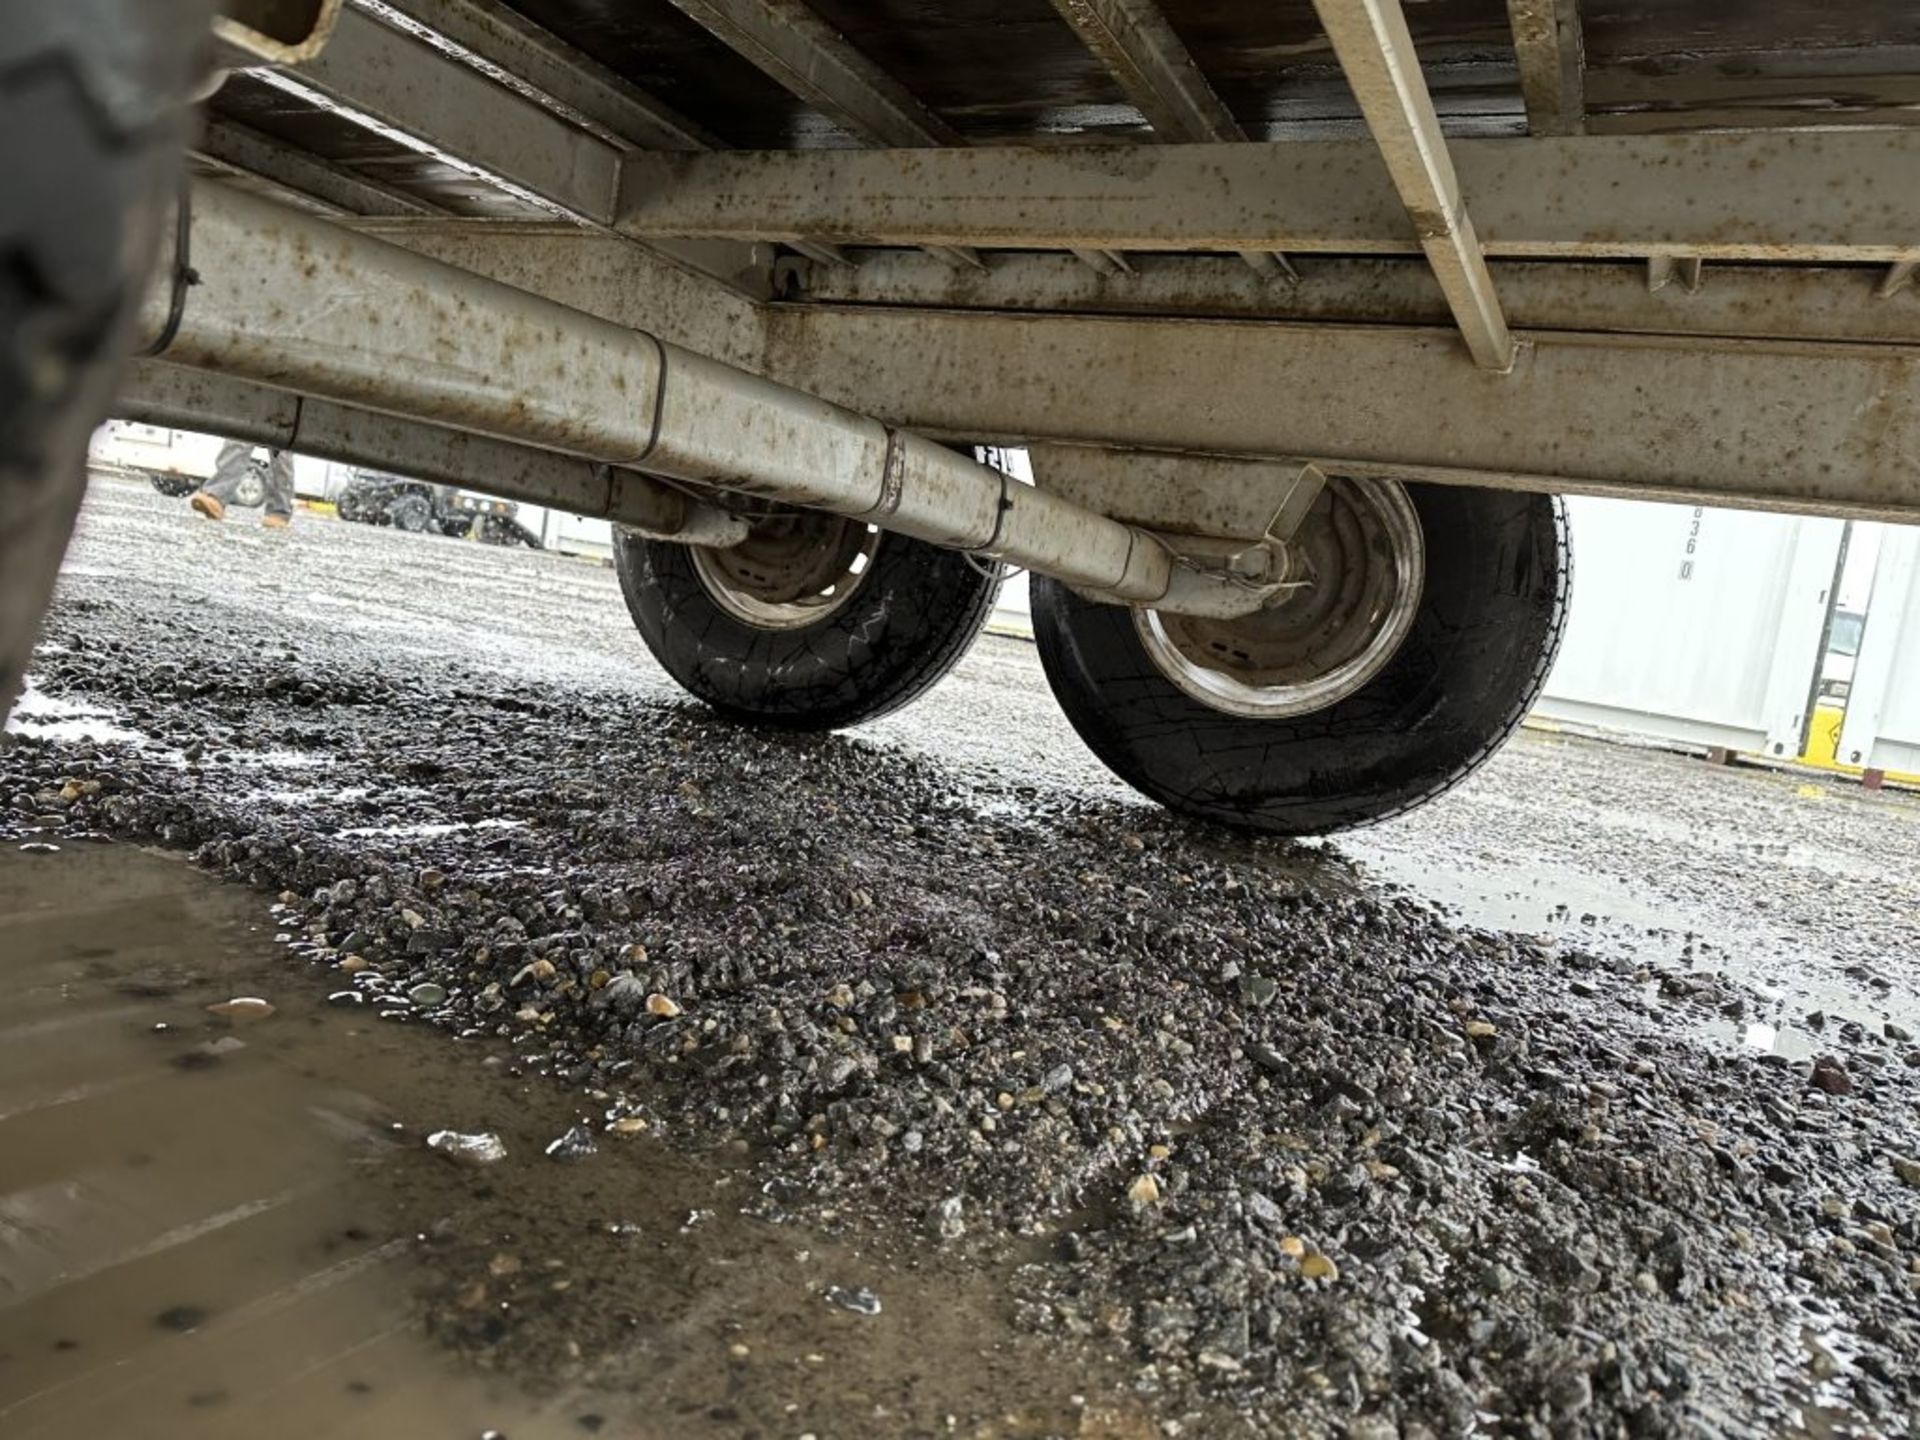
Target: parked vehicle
373,498
1297,431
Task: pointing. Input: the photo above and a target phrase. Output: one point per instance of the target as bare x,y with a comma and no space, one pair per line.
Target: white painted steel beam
793,46
1375,50
426,97
304,305
1784,425
809,58
790,44
406,89
1151,63
512,50
1547,45
1134,41
1752,301
1789,423
595,272
228,147
280,32
1715,196
602,274
485,36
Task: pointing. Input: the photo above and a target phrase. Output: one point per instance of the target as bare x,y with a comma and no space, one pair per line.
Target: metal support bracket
1262,569
1665,270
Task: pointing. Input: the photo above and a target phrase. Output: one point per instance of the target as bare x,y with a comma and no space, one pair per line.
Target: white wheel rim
792,571
1366,560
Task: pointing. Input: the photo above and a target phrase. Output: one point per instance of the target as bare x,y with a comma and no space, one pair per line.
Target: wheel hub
794,568
1362,557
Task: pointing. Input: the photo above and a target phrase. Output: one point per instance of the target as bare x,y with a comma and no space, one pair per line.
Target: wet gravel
1307,1154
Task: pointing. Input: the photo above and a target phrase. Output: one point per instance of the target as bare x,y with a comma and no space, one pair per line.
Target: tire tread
1187,757
91,116
693,638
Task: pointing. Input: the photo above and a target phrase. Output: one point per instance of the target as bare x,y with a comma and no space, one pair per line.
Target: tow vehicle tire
812,623
174,487
92,123
251,492
411,512
1220,721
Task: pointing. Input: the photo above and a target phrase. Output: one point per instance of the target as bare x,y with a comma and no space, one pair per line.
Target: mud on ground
1277,1147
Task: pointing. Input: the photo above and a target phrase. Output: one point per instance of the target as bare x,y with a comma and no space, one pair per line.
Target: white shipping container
1882,728
1697,625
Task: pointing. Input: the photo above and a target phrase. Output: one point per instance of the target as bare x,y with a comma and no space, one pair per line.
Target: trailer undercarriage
1301,311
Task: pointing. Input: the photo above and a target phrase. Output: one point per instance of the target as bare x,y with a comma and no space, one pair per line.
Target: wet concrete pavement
1219,1137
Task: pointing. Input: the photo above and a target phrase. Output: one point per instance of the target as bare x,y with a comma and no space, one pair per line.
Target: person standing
230,468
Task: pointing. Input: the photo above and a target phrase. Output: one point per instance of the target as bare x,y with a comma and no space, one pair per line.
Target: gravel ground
1580,1103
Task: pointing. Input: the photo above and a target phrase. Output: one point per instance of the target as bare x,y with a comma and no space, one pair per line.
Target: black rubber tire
1483,639
915,613
411,512
93,118
174,487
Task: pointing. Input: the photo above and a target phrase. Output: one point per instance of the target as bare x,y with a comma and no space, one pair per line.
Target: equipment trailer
1306,313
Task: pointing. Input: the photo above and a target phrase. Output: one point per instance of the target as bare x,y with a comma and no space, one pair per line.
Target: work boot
208,505
274,522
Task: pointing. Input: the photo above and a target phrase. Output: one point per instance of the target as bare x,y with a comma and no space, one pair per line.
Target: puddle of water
1603,916
1533,904
40,716
216,1226
274,760
428,831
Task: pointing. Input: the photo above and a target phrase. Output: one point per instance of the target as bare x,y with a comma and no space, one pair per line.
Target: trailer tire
1483,636
912,614
92,122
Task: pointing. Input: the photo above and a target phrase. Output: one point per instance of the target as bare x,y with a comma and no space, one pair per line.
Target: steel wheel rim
251,492
1365,558
794,569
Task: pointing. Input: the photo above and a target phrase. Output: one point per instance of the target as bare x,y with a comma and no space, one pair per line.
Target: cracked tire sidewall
92,121
916,612
1488,628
